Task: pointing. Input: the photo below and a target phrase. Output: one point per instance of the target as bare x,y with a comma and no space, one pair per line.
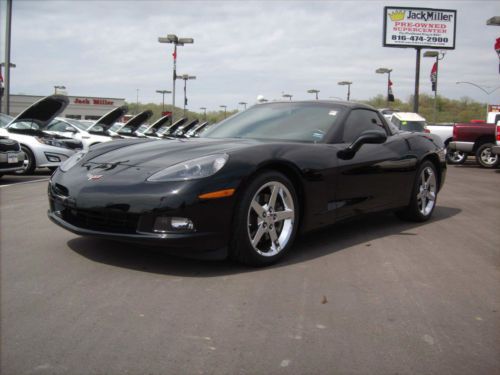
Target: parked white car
409,121
42,149
75,129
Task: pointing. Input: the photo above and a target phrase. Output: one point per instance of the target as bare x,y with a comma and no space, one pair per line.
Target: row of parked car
37,138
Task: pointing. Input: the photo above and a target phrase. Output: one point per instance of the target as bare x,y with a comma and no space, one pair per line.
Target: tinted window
303,122
358,121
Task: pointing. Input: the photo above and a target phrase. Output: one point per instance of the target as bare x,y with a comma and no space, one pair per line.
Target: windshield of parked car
410,126
5,119
302,122
77,123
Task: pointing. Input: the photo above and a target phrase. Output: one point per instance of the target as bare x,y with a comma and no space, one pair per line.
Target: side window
57,126
358,121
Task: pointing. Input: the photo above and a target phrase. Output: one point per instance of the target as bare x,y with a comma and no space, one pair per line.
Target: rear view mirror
366,137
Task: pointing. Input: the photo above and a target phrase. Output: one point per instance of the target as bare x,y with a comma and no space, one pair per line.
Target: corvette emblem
92,177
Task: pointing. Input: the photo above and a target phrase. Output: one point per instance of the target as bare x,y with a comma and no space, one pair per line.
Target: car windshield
301,121
77,123
412,126
5,119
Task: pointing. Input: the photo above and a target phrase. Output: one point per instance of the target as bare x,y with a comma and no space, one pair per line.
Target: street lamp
244,104
389,93
348,84
7,96
176,41
163,92
204,109
313,91
59,88
225,109
434,78
288,96
185,77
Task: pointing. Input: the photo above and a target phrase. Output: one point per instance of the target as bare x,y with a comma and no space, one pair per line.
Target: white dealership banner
419,27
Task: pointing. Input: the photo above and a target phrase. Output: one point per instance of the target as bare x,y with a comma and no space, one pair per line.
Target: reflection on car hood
163,153
42,112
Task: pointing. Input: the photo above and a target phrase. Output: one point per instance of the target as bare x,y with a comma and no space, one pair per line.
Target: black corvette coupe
250,183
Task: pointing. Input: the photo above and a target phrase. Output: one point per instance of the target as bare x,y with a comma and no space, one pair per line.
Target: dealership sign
93,101
419,27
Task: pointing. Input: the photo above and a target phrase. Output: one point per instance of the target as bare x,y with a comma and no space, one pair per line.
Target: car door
379,175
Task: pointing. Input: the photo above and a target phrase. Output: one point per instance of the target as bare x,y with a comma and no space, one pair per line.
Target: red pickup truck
477,139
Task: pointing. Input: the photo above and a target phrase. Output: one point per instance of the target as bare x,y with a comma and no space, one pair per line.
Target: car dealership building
80,107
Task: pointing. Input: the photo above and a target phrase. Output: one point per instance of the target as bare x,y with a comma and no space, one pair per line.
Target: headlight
191,169
70,163
50,142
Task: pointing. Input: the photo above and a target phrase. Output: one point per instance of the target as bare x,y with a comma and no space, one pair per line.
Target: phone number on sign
435,39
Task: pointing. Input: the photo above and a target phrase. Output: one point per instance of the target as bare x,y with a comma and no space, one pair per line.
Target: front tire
29,162
485,157
424,195
266,220
455,156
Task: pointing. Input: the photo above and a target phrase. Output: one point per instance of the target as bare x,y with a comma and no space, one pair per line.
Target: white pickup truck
445,132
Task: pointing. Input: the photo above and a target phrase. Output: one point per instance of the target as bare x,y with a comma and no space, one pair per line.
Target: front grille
105,220
9,145
60,190
73,144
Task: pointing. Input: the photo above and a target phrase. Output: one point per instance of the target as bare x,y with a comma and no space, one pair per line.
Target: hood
155,126
188,127
38,115
102,125
194,131
176,125
161,153
135,122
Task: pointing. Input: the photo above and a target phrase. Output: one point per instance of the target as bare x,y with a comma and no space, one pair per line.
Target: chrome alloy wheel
488,157
426,197
456,157
271,218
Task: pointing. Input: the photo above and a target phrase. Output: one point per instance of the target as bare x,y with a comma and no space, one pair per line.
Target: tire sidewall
478,156
241,248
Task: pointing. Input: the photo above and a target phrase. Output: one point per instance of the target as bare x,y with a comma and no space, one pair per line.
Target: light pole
439,56
163,92
58,88
176,41
225,108
348,84
388,71
313,91
493,21
483,89
244,104
7,64
2,87
289,96
137,102
185,77
204,109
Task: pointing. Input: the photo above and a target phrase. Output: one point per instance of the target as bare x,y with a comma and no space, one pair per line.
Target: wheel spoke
432,196
274,194
259,210
283,215
429,177
273,235
258,235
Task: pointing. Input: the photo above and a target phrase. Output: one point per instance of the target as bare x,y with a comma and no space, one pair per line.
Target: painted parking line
25,182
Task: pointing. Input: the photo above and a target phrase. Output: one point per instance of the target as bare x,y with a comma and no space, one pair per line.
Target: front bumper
496,150
461,146
11,161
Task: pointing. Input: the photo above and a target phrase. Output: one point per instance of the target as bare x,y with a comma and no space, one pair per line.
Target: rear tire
485,158
265,221
423,196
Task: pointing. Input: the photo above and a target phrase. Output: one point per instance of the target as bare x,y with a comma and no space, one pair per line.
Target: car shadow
307,247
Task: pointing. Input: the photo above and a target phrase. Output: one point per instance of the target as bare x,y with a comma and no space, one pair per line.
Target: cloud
241,49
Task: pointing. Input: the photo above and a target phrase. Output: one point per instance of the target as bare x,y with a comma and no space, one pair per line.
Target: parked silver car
11,156
42,149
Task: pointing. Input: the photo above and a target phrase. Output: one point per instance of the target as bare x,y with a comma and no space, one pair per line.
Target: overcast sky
241,49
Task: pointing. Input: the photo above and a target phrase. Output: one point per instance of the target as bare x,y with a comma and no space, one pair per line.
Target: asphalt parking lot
372,296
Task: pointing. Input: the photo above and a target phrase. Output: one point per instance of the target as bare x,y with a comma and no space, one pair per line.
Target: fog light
53,158
165,224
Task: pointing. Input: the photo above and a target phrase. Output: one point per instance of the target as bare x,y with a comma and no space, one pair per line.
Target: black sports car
250,183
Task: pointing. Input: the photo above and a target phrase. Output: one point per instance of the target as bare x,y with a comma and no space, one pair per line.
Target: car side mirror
366,137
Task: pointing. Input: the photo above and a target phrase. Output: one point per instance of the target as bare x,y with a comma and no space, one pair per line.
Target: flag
434,76
1,83
497,48
390,96
174,55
